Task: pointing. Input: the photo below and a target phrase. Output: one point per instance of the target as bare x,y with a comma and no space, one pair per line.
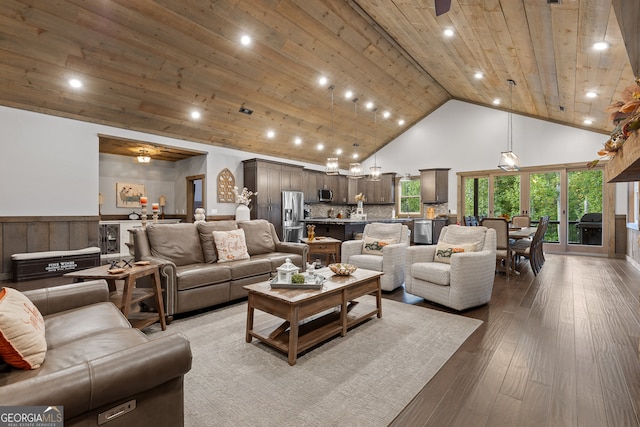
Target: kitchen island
346,229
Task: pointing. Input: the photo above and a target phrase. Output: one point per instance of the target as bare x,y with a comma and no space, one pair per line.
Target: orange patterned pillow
22,341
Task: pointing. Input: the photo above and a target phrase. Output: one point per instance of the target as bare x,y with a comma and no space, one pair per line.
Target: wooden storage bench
37,265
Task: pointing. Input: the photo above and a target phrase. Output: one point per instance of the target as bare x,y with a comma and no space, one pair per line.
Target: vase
243,213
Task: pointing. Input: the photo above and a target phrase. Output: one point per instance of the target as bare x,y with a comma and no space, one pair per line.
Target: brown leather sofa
191,276
96,364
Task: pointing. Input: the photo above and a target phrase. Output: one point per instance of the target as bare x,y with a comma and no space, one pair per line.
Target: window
409,192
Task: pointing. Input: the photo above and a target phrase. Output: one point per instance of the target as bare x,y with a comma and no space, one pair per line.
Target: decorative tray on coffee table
309,283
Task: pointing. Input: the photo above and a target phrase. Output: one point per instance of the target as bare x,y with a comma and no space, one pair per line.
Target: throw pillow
230,245
374,246
205,230
444,251
22,341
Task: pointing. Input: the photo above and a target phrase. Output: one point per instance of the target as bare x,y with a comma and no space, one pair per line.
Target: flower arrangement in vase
243,213
245,196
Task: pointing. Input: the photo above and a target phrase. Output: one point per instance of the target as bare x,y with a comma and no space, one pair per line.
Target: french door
572,197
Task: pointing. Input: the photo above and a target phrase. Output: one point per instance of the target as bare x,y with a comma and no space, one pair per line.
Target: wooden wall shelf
625,166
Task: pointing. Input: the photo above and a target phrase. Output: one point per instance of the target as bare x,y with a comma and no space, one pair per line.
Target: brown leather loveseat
193,277
97,366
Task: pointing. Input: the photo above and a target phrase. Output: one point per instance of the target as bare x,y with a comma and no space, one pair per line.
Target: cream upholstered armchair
458,272
382,248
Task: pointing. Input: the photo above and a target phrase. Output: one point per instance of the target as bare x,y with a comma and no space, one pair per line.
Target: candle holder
143,214
155,208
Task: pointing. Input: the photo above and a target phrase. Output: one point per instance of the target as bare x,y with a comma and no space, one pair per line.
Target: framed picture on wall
128,195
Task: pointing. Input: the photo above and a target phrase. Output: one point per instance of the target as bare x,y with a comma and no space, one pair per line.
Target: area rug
363,379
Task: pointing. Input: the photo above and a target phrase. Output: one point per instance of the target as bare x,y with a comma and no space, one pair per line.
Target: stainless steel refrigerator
292,216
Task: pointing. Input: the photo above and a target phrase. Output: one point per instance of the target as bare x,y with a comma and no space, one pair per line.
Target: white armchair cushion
384,231
368,262
434,272
374,245
459,234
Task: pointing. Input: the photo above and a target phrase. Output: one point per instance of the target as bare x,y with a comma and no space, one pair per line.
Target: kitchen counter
347,229
354,221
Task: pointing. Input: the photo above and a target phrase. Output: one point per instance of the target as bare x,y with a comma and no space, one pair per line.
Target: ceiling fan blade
442,6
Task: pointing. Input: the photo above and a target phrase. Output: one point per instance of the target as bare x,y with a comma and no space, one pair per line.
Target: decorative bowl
343,269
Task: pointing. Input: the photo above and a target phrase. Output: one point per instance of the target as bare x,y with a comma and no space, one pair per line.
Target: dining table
518,233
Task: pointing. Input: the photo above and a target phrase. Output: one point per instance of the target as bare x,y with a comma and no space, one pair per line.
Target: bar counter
345,228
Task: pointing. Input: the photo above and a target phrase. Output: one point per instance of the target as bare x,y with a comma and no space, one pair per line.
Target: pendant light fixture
509,161
375,171
355,169
332,162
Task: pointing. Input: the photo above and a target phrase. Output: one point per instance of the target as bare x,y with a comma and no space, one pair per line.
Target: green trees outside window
506,195
410,197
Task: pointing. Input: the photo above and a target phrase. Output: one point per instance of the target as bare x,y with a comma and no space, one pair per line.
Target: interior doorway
195,195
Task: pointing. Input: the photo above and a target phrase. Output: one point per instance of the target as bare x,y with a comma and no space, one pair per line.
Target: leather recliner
97,366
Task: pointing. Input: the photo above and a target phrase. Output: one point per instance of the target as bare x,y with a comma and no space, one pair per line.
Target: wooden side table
130,293
325,246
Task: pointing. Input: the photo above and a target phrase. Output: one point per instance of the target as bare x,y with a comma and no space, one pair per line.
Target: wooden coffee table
294,335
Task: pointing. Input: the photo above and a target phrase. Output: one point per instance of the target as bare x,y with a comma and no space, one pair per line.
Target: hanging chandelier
355,169
332,162
509,161
375,171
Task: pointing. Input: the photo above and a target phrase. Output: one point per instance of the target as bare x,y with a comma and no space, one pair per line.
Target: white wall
467,137
51,166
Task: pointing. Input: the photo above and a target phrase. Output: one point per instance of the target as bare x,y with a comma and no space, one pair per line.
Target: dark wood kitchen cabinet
269,179
434,185
381,192
312,181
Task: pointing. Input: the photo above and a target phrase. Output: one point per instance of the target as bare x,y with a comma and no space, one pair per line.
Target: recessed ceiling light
386,114
298,141
601,45
339,151
591,94
588,122
320,146
496,101
348,94
270,134
195,115
401,122
448,32
75,83
478,75
369,105
245,40
323,80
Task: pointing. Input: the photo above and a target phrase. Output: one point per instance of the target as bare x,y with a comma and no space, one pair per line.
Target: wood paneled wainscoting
38,233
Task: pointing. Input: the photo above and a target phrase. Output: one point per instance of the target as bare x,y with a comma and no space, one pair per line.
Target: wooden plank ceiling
146,64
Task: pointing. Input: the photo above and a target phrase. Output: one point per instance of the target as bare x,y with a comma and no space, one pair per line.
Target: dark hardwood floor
559,349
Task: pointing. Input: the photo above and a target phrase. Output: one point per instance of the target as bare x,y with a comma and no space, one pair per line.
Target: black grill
590,227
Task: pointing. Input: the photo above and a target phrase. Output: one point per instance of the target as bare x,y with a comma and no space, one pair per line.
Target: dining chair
504,253
471,221
521,221
533,249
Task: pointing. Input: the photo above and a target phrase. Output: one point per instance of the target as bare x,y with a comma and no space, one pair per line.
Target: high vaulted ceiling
146,64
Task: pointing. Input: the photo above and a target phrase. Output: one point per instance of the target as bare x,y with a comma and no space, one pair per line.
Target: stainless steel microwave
325,195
